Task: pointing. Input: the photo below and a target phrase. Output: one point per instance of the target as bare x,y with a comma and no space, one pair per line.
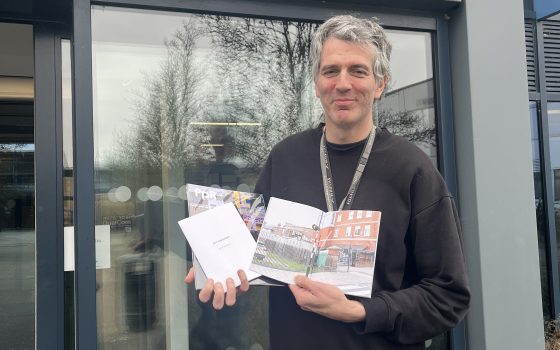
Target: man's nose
343,82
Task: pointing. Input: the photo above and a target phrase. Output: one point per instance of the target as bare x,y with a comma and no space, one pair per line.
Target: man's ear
380,87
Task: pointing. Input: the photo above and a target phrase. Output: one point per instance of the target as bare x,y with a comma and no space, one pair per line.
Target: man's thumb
302,282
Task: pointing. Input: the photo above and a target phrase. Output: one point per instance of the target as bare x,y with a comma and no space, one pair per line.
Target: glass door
17,188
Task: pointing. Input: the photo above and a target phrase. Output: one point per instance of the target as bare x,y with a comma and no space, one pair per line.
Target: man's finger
190,276
304,282
296,291
206,291
244,282
218,302
300,294
231,292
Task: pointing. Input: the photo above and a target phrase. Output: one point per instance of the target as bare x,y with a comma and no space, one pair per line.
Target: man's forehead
345,48
367,46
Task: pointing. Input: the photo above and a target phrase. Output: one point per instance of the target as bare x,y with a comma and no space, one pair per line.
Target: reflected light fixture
212,145
226,123
17,88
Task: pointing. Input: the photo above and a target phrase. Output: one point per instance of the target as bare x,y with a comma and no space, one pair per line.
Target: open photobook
250,206
337,248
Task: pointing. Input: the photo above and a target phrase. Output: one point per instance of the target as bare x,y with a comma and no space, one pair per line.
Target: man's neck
344,136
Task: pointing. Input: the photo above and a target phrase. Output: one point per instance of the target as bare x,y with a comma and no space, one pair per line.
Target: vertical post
494,173
84,194
49,291
445,131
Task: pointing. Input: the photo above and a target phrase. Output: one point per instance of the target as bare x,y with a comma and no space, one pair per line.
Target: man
420,286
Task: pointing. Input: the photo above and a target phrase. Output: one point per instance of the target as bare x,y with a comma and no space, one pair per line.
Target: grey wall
495,175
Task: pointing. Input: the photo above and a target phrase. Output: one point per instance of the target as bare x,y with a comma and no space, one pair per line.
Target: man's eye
329,72
360,72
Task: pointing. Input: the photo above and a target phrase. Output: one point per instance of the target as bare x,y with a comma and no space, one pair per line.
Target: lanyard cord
327,174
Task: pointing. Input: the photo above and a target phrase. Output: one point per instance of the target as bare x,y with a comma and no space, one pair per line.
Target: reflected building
410,112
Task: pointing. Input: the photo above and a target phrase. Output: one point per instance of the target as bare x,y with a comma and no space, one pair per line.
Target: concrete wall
495,175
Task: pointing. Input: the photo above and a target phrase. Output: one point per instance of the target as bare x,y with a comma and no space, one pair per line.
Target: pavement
351,280
17,289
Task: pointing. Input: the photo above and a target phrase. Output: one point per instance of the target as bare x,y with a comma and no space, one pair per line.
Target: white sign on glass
102,247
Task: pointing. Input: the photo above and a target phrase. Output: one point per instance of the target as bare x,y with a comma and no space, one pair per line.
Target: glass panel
408,106
554,144
68,192
540,210
17,188
199,99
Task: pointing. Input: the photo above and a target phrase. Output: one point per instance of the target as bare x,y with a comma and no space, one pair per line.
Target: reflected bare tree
408,124
257,71
162,135
266,76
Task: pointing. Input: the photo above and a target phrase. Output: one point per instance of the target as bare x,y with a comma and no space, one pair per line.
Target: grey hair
356,30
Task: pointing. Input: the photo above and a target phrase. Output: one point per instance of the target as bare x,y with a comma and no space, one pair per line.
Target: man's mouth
343,101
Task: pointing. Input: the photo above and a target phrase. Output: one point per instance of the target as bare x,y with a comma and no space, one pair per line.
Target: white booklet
337,248
222,243
250,206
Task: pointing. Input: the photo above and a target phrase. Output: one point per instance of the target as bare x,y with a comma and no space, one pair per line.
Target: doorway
17,188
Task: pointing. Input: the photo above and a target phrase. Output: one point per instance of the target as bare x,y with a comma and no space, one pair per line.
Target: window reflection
554,145
17,237
408,106
17,188
540,210
202,99
68,191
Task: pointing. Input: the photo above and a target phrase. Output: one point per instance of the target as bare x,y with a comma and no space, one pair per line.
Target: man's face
346,85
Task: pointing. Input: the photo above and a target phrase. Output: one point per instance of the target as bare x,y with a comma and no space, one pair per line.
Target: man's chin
345,122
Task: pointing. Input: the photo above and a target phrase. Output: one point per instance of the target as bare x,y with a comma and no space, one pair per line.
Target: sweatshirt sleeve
440,297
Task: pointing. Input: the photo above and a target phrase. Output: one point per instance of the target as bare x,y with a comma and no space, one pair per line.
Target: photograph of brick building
352,238
334,247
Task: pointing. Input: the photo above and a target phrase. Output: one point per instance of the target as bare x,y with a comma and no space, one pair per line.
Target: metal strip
84,194
444,107
546,170
49,297
528,14
553,97
446,136
304,10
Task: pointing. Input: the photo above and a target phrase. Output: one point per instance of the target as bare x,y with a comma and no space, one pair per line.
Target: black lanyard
328,179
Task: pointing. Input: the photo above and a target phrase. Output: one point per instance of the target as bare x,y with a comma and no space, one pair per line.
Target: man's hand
326,300
228,295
